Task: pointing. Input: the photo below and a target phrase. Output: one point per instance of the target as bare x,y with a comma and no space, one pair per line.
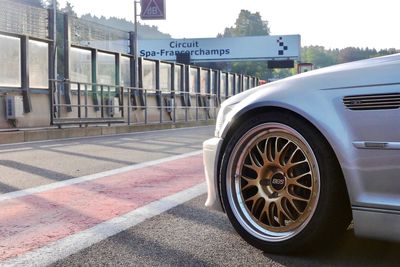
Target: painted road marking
47,225
91,177
15,150
69,245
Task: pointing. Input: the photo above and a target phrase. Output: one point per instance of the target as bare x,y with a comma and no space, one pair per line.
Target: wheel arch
268,109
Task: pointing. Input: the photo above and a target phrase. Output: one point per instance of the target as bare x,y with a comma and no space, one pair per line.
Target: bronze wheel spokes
276,180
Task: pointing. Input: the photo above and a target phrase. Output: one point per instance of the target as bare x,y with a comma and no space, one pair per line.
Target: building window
165,77
213,84
237,84
193,80
204,82
222,89
80,66
10,61
125,71
230,84
178,79
149,75
38,64
105,69
246,83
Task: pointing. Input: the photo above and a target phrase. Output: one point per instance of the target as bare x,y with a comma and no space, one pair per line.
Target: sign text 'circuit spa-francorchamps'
223,49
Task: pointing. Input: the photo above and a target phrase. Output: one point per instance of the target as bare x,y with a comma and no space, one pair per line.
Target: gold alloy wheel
273,182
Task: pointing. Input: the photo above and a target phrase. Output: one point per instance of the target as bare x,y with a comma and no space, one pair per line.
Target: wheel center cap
278,181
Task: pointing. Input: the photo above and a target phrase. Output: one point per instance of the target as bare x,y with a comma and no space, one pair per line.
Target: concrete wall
38,117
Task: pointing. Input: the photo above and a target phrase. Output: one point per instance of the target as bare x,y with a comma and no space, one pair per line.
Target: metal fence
98,72
106,104
23,19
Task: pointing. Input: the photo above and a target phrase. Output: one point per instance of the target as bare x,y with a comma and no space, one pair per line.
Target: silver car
293,162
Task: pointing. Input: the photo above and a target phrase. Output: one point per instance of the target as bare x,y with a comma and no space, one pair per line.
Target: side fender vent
372,102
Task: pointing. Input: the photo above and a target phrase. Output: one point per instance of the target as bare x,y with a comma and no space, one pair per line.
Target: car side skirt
372,223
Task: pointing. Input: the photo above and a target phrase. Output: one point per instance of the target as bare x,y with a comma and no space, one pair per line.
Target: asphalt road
32,164
191,235
186,235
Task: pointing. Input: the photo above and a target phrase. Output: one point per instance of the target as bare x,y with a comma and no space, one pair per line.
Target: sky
332,24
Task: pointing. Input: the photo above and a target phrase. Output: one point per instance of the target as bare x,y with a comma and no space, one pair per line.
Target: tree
145,31
349,54
384,52
319,56
248,24
69,9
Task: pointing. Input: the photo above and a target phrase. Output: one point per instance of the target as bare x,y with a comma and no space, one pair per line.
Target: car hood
374,71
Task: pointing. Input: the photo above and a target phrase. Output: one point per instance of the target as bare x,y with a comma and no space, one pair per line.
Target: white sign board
224,49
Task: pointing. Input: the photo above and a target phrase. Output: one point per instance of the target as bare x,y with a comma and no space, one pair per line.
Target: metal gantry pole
136,47
55,38
53,62
135,54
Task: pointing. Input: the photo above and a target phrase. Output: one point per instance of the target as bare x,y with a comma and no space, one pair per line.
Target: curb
26,135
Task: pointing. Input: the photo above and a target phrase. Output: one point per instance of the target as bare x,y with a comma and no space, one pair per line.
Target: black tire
281,185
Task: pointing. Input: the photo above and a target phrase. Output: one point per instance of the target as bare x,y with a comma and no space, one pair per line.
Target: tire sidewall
319,222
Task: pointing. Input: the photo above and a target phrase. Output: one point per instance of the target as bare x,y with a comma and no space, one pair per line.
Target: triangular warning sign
152,9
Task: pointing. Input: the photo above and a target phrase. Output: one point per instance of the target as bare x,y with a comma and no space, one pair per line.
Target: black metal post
26,92
94,86
52,62
173,108
133,66
67,47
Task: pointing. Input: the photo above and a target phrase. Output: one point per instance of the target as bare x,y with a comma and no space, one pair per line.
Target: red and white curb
41,225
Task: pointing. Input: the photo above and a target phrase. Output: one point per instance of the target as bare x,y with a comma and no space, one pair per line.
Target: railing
86,103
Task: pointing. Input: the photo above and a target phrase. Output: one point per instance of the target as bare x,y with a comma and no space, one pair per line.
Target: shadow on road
191,235
349,251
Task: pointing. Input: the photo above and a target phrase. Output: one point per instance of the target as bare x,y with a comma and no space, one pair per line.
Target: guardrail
106,104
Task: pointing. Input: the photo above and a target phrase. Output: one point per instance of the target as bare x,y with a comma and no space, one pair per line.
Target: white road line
64,247
15,149
59,145
91,177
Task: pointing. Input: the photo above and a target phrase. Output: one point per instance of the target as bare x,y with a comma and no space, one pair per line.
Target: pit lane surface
125,210
191,235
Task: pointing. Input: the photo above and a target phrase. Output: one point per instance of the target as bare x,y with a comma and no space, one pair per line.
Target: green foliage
145,31
68,9
255,68
282,73
248,24
321,57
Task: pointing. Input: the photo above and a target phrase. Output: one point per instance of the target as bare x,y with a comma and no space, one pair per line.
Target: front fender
322,109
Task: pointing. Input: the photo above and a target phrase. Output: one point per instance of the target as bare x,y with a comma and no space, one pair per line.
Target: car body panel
211,148
366,142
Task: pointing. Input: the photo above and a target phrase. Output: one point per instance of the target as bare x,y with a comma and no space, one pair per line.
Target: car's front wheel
281,185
